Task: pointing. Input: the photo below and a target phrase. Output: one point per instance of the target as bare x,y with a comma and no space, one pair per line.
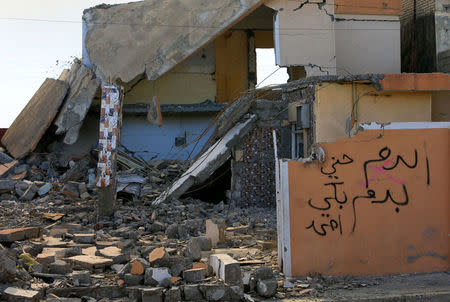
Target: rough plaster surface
367,44
83,87
307,26
153,36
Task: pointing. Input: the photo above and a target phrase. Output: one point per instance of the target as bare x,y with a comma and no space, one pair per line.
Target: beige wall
441,106
368,46
334,101
191,82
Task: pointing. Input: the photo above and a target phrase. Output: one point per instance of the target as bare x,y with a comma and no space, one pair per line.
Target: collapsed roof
151,37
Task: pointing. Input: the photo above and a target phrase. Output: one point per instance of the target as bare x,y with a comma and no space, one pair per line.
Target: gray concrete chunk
83,87
15,294
226,268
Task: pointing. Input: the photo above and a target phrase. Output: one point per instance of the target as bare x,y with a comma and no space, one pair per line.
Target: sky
32,50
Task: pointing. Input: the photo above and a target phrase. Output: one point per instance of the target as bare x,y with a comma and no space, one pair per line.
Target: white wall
313,36
304,36
367,46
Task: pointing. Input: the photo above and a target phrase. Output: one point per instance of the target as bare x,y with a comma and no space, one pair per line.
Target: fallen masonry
162,243
128,258
68,253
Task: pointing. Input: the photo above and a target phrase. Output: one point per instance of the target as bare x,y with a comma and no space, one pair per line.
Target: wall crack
320,6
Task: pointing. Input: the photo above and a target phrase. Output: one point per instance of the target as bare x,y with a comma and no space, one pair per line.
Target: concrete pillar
109,141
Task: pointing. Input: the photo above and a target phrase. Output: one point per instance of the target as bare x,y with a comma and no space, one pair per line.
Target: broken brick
84,238
11,235
89,262
157,255
215,231
137,268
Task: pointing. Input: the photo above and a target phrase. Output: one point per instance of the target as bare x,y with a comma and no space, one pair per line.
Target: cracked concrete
309,26
153,36
83,88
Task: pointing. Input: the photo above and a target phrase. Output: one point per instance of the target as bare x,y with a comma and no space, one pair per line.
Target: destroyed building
288,188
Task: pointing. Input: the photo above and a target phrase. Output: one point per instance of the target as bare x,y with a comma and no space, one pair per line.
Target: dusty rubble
52,244
53,247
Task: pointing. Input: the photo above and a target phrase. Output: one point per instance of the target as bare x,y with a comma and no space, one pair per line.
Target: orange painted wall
231,65
368,7
373,238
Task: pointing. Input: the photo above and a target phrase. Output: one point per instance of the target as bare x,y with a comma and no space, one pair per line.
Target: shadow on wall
149,140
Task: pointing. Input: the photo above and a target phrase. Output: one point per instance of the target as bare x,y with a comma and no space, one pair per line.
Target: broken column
109,140
83,88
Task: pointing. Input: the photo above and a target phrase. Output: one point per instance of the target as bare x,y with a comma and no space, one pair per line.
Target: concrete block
226,268
215,292
133,280
15,294
263,273
81,278
7,185
204,242
157,276
7,267
172,295
11,235
195,274
215,231
236,293
267,288
192,293
207,267
177,264
115,254
157,256
90,262
60,267
46,258
193,250
152,295
84,238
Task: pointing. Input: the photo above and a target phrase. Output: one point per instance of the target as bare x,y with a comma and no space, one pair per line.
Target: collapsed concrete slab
83,88
30,125
151,37
208,162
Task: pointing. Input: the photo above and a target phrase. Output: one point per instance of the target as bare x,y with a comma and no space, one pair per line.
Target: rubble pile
38,174
183,250
53,246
